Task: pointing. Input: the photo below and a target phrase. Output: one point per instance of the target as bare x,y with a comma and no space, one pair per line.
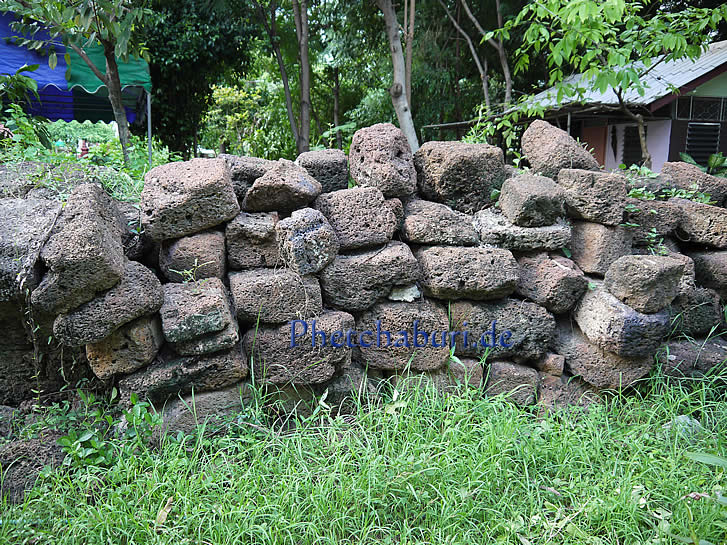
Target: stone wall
200,286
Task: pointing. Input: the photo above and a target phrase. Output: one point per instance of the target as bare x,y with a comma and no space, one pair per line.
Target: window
702,141
701,108
684,108
706,109
632,146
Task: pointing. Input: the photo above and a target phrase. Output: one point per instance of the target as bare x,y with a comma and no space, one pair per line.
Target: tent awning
72,91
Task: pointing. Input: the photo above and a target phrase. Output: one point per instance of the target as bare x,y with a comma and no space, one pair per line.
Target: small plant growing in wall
190,275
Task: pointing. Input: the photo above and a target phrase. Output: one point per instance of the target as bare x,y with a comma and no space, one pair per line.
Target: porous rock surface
459,175
582,284
184,198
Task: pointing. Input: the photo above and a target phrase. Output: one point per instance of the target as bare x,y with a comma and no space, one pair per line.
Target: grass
419,468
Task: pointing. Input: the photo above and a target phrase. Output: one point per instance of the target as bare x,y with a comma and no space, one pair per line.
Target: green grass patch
419,468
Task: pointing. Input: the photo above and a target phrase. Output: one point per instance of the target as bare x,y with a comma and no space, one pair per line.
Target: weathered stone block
646,283
186,197
137,294
458,174
650,220
194,257
283,188
83,254
277,362
618,328
530,329
711,270
380,157
409,293
194,309
455,272
550,149
211,342
251,240
494,228
596,366
594,196
403,350
127,349
520,383
697,311
24,228
594,247
359,217
274,295
555,283
433,223
702,223
208,408
685,176
355,282
328,166
563,391
692,358
244,171
171,374
306,241
532,201
550,364
397,209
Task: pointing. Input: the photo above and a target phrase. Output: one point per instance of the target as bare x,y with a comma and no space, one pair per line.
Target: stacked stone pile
234,249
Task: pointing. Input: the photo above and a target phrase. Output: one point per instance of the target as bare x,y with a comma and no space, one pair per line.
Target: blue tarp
60,99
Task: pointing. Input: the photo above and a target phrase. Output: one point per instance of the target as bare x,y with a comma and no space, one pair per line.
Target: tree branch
81,53
483,73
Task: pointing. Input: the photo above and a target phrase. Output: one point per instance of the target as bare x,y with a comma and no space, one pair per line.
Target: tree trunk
645,155
336,106
112,81
409,48
498,45
272,35
398,89
300,14
475,57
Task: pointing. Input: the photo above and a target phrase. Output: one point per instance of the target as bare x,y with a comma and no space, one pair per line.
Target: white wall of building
658,135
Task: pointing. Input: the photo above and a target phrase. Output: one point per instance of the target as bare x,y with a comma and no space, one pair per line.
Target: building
685,109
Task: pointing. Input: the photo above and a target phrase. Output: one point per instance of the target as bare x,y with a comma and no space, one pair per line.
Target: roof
659,82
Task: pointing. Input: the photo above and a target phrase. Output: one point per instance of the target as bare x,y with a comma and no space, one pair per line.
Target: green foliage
79,24
249,119
641,193
634,172
716,164
28,132
123,181
612,44
18,88
192,45
70,132
692,194
418,468
100,438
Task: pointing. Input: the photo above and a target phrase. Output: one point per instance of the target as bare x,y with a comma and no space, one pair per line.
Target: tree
482,70
110,23
497,43
398,89
192,46
610,44
269,17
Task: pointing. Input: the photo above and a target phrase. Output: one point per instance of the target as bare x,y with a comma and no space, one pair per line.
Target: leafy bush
71,132
716,164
